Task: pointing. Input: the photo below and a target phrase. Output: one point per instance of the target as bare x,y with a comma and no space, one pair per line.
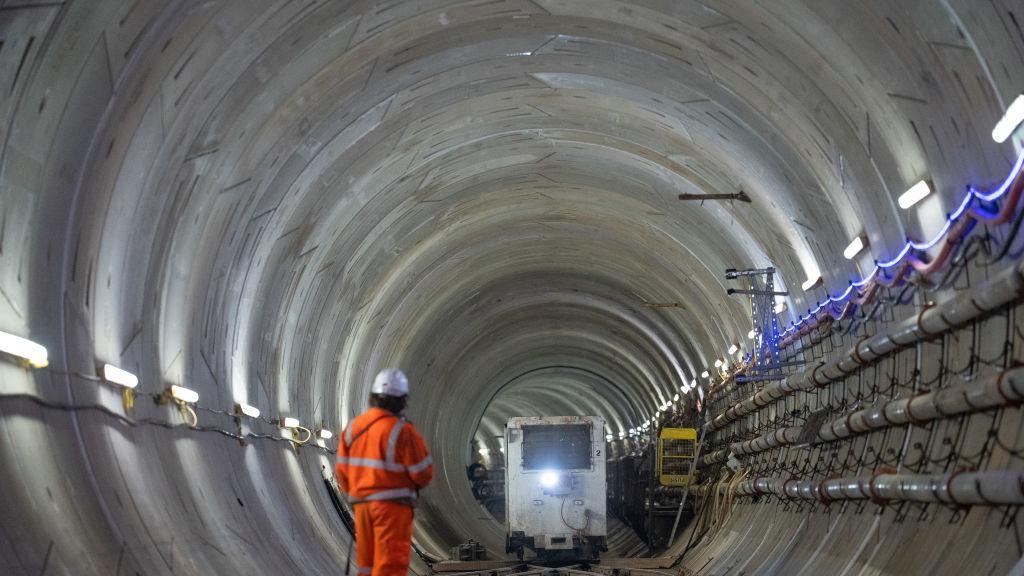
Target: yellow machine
677,449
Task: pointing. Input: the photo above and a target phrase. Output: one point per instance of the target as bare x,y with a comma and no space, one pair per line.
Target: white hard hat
391,382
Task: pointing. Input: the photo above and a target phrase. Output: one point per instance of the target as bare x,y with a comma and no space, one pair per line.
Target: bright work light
855,247
184,394
549,479
34,354
118,376
811,283
1012,118
914,194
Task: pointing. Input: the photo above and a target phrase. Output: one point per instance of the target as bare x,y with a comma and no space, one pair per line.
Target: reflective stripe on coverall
382,464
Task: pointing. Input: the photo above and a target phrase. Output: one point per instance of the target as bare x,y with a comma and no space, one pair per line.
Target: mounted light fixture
780,307
325,433
855,247
705,374
914,194
289,422
549,479
908,199
718,362
752,334
115,375
185,395
811,283
1011,119
34,354
250,411
733,349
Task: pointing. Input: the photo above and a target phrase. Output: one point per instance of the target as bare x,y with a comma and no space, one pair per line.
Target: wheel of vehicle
484,491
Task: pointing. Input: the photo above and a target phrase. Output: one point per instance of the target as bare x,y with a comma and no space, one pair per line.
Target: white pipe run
779,437
998,291
999,390
996,487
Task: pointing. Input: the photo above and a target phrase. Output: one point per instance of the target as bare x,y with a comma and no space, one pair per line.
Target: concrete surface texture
265,201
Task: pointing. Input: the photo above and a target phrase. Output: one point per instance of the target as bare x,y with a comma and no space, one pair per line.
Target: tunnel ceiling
266,201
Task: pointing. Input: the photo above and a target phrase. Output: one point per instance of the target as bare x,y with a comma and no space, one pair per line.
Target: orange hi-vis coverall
382,464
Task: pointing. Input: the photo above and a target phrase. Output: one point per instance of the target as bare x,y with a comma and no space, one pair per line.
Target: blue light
843,296
972,193
896,260
866,279
982,213
998,192
963,206
935,240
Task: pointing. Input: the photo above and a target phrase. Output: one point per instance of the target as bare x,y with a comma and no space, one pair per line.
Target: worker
382,465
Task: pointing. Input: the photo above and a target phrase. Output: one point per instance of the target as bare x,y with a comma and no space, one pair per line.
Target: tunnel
529,206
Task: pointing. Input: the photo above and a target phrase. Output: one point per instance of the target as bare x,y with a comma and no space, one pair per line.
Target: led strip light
972,193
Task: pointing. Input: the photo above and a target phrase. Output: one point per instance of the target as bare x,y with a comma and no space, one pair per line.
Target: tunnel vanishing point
250,206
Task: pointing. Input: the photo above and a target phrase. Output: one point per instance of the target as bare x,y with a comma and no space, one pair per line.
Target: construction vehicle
556,487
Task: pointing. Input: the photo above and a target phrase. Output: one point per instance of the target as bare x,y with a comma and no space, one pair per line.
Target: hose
188,414
586,515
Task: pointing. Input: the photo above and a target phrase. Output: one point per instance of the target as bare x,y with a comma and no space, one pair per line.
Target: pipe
998,390
1000,290
779,437
1002,389
993,488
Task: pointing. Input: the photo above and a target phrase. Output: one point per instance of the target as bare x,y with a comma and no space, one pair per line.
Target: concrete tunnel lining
266,201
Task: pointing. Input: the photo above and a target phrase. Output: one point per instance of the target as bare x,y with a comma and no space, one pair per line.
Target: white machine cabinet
555,494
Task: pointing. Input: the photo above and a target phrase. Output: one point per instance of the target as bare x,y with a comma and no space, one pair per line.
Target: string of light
906,252
34,355
136,422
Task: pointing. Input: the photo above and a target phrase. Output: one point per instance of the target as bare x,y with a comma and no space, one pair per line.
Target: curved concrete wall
265,201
